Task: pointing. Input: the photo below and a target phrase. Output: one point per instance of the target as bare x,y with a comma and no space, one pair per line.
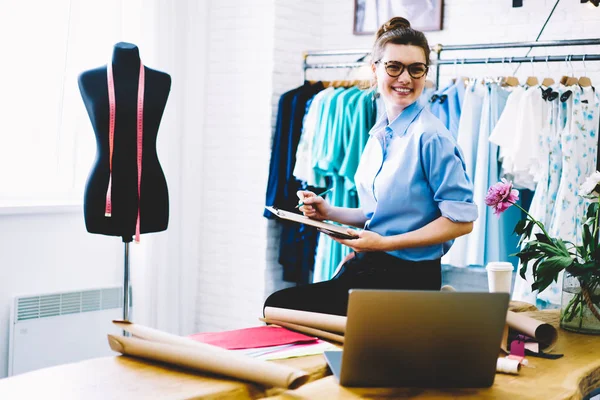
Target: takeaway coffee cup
499,276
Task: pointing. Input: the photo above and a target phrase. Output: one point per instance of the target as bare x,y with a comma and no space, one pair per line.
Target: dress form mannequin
154,196
154,199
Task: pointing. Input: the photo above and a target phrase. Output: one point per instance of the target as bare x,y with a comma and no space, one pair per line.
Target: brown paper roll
305,329
184,352
325,322
544,333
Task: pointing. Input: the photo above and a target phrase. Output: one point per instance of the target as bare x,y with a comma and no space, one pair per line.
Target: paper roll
508,366
544,333
181,351
305,329
326,322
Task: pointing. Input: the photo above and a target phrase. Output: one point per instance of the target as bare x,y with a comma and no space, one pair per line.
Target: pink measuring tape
112,105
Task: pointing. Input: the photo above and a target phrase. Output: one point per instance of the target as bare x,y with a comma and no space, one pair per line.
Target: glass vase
580,306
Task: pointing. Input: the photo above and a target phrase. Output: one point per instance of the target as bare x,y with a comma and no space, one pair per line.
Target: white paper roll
508,366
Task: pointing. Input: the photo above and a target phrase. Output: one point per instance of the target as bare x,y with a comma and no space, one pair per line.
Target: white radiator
52,329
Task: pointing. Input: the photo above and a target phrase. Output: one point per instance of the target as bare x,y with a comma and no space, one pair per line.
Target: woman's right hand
315,207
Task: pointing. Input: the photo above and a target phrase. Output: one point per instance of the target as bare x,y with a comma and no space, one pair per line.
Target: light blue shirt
411,173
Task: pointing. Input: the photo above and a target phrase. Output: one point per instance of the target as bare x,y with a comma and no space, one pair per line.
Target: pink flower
501,196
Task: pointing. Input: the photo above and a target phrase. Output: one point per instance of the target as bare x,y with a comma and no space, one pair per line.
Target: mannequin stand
126,285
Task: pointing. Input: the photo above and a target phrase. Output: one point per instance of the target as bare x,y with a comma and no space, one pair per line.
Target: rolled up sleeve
444,167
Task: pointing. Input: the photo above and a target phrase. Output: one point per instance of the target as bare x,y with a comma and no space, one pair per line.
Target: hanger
547,81
511,80
563,79
569,80
531,80
584,81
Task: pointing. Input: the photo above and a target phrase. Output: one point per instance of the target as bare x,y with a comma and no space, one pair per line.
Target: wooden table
127,378
570,377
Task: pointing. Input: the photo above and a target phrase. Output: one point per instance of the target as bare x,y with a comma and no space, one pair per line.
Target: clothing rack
438,49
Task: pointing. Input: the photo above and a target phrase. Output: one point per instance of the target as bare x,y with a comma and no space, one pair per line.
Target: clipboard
325,227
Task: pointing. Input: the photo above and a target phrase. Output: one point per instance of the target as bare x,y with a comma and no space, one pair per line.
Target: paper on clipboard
325,227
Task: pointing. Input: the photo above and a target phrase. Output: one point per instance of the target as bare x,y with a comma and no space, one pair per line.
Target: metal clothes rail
310,56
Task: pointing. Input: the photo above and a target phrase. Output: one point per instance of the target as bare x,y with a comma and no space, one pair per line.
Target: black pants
371,270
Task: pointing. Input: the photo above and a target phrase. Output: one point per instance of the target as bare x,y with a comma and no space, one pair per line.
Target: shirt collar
406,117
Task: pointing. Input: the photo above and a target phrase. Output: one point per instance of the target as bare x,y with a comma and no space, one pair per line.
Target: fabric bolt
414,165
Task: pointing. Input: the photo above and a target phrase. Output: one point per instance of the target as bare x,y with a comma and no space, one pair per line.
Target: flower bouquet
548,256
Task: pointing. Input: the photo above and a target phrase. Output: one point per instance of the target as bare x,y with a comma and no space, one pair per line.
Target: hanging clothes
571,142
579,146
297,243
550,165
490,239
350,119
446,104
467,139
303,170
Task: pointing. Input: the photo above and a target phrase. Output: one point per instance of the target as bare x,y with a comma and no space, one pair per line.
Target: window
47,143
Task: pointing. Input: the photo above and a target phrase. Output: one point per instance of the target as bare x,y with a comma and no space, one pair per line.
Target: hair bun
394,23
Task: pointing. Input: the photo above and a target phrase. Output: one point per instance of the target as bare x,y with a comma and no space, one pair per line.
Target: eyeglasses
396,68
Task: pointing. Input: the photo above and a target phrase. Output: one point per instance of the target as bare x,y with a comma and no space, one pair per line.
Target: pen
320,195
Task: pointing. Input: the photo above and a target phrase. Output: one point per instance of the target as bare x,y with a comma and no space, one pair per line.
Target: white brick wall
255,54
235,160
475,21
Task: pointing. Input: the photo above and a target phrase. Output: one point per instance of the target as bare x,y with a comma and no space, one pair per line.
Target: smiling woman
413,188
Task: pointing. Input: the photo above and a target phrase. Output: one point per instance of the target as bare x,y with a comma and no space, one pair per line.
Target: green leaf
523,269
520,227
541,284
582,251
550,267
543,238
529,228
536,265
592,210
586,237
550,249
596,254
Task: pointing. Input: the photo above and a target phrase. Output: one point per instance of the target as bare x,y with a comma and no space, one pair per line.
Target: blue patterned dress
579,145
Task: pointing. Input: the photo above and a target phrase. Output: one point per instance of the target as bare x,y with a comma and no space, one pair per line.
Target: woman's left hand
365,241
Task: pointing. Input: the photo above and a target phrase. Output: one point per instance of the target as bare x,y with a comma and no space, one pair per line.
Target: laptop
421,339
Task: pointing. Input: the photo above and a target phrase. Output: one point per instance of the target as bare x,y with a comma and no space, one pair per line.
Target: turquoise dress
349,123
